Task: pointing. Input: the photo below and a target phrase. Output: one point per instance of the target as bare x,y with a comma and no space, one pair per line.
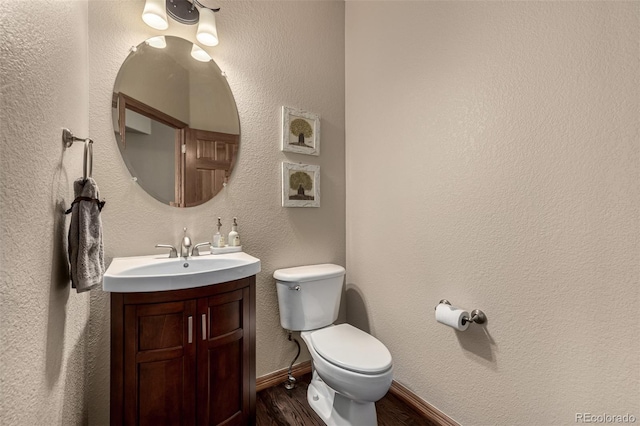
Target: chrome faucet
186,249
186,245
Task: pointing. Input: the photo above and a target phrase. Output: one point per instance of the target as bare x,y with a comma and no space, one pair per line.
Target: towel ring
68,139
88,159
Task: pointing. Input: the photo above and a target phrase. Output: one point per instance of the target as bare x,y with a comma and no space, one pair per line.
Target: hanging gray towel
86,252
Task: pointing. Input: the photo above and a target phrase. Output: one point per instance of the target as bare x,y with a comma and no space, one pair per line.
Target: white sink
160,273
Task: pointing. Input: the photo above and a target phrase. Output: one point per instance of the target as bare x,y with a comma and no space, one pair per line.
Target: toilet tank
309,296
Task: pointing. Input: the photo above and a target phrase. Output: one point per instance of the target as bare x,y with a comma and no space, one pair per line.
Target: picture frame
300,185
300,131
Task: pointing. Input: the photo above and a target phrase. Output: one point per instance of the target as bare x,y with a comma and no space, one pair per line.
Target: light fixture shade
159,42
207,31
199,55
155,14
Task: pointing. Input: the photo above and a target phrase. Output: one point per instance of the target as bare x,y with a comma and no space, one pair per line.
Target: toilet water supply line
291,381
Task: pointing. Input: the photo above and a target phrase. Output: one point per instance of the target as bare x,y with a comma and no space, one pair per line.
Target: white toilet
351,369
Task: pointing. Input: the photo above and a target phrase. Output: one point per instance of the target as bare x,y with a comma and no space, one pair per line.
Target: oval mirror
175,121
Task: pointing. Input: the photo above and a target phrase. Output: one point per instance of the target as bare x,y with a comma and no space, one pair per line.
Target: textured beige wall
492,159
43,322
274,53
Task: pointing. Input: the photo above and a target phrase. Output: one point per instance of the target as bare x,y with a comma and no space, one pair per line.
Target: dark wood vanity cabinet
184,357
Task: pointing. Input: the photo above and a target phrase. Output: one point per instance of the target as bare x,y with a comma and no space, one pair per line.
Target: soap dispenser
217,235
234,238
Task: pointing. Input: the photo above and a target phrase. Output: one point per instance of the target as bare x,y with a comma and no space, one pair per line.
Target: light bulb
207,31
155,14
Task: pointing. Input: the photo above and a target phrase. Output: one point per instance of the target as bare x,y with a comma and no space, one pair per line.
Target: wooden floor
278,406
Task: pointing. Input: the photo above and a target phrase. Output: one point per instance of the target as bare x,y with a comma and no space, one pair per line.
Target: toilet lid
299,274
351,349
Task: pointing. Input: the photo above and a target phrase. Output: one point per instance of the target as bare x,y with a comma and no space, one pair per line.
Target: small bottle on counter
234,237
217,235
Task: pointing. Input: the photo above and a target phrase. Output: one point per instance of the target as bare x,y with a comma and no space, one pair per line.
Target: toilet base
335,409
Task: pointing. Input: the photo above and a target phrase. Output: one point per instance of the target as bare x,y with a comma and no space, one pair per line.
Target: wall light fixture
186,12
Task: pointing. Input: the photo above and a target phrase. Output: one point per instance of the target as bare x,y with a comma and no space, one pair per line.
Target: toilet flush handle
296,288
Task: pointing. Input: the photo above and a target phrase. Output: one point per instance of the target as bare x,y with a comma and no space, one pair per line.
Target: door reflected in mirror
176,123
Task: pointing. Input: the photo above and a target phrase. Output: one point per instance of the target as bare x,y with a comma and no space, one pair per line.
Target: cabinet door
159,363
223,359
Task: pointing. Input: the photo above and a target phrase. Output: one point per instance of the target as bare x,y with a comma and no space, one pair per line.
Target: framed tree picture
300,185
300,131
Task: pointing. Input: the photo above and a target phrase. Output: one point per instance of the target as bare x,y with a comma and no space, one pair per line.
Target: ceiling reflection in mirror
175,121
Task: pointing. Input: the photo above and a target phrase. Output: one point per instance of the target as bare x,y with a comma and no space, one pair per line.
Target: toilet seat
352,349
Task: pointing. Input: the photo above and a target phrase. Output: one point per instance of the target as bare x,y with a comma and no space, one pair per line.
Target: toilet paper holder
477,316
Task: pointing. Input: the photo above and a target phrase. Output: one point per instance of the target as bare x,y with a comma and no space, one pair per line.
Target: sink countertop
161,273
